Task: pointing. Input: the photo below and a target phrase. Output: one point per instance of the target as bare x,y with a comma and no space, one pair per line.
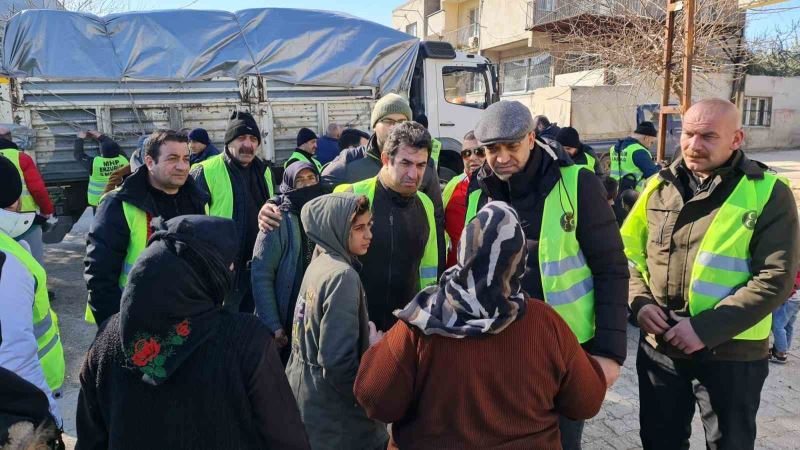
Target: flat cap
504,121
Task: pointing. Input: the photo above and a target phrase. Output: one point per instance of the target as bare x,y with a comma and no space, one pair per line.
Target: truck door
456,94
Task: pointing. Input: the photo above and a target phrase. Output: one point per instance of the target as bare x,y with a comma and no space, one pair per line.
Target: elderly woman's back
474,364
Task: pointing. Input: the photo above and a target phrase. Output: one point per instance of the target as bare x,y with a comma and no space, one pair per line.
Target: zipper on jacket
391,256
663,227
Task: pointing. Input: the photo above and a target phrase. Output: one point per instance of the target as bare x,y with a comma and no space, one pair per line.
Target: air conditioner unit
473,42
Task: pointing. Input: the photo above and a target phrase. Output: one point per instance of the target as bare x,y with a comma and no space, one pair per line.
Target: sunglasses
480,152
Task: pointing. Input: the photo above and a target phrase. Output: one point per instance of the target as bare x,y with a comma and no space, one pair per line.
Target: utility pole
673,6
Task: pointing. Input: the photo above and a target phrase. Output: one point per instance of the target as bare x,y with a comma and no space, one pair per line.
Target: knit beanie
305,135
568,137
242,123
646,129
390,104
110,149
10,183
199,135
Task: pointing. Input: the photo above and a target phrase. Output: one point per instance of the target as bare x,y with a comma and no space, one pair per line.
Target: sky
760,21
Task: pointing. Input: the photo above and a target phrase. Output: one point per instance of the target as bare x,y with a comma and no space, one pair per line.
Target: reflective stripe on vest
429,266
567,281
722,263
102,168
450,188
301,157
45,322
436,149
27,203
219,184
621,163
139,228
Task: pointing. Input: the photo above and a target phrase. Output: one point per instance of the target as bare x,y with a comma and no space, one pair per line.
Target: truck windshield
465,86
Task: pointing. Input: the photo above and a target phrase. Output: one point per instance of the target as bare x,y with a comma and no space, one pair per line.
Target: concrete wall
408,13
784,129
503,22
584,78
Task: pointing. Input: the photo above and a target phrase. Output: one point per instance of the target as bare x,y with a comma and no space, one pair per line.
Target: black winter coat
597,233
108,238
231,393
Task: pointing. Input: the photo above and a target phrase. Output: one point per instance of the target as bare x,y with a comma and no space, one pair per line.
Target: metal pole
667,75
688,56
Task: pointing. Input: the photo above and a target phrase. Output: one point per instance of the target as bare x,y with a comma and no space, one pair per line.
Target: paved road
616,427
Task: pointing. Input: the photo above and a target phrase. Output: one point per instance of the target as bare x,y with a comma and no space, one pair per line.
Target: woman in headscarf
171,369
331,327
281,255
473,363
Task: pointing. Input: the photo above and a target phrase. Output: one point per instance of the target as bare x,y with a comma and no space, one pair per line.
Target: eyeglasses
480,152
391,122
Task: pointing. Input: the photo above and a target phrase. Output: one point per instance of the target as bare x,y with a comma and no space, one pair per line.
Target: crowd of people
348,299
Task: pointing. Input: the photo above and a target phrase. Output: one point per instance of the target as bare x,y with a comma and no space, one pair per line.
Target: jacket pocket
660,224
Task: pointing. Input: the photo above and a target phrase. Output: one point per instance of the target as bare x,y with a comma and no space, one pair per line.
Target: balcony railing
546,12
464,38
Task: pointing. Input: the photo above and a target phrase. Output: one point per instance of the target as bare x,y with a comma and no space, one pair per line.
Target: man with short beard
239,182
576,262
121,226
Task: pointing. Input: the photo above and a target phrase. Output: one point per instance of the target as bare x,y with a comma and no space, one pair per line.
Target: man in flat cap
631,160
575,261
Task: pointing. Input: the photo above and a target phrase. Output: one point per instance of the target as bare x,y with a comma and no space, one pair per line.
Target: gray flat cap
504,121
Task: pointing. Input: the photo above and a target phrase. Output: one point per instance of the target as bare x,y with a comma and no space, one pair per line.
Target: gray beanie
504,121
390,104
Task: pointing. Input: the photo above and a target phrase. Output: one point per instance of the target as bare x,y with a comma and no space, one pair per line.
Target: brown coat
678,219
501,391
117,177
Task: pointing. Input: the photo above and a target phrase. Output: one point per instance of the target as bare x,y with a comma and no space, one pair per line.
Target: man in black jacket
121,227
239,183
523,171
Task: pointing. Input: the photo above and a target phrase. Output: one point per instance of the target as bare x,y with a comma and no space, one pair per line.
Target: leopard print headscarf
481,294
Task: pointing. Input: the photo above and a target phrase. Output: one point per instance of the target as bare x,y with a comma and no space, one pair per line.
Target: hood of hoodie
110,149
327,219
134,191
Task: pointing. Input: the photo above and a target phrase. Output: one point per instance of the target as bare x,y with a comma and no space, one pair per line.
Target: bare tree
627,38
775,53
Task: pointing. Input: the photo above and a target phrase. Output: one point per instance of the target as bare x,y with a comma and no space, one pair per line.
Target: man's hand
82,135
374,334
281,340
652,319
683,336
610,369
269,218
94,134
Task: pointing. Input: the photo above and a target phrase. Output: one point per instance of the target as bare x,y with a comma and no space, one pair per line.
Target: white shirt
18,349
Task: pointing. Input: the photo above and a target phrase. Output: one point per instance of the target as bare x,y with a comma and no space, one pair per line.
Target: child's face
360,234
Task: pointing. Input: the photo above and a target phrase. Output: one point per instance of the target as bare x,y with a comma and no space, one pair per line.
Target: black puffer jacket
107,241
597,233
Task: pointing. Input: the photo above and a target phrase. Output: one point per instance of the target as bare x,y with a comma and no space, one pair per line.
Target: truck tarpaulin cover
296,46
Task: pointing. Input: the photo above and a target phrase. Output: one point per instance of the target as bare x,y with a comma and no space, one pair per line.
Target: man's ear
738,139
384,159
149,162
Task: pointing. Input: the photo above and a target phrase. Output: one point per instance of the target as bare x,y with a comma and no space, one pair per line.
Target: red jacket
33,179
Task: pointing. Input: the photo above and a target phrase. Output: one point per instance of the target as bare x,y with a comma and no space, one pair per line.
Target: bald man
713,249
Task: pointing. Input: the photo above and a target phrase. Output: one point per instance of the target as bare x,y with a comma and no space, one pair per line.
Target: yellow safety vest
450,188
27,203
429,266
219,184
567,281
722,264
436,149
591,162
102,168
301,157
45,321
621,163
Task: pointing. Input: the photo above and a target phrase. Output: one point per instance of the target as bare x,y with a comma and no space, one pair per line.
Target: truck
293,81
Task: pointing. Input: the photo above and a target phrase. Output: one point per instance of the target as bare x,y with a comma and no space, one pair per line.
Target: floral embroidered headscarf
172,302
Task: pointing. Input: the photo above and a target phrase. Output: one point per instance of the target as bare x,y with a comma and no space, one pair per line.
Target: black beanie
199,135
10,183
647,129
568,137
305,135
242,123
110,149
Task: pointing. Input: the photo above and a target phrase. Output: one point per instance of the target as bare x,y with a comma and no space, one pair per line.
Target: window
465,86
757,111
473,22
525,75
412,29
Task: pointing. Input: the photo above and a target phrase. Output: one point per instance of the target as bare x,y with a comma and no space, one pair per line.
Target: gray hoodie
331,333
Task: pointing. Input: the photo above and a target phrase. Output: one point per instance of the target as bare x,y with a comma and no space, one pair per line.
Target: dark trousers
727,392
571,433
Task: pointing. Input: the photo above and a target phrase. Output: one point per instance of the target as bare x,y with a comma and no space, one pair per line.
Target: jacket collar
134,190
